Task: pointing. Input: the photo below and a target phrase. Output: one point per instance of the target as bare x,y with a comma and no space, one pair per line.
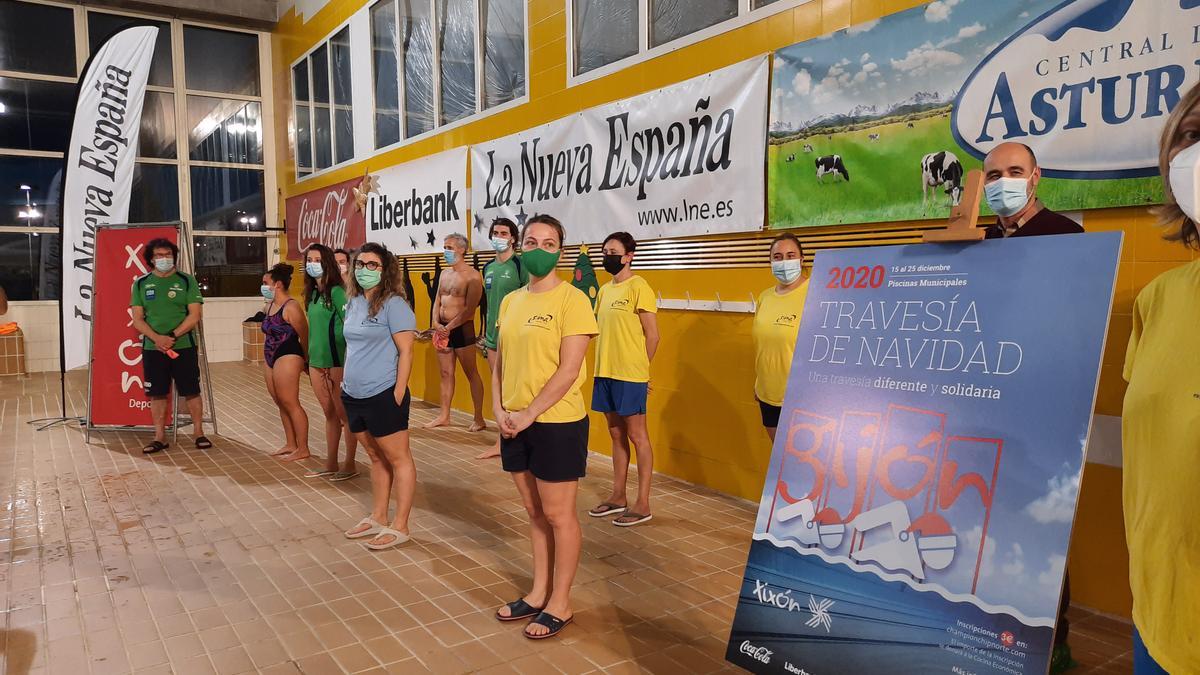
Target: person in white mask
501,276
1160,424
776,325
1011,176
460,288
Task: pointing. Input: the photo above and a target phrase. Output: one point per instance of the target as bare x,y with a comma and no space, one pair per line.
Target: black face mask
613,264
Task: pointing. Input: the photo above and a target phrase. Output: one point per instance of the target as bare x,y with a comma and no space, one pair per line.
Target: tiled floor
228,561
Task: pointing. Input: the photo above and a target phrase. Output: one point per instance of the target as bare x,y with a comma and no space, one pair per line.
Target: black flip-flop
550,621
517,610
202,443
155,446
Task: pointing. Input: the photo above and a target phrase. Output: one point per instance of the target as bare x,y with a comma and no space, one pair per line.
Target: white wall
223,326
39,322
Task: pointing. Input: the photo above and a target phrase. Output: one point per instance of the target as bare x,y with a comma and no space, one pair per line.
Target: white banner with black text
682,160
100,161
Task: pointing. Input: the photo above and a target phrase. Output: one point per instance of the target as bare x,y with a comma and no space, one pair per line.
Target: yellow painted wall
704,420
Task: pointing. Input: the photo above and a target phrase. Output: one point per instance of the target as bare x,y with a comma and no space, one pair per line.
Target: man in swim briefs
459,291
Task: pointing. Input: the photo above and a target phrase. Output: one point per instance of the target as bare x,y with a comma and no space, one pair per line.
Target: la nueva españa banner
324,216
881,122
415,205
104,140
682,160
919,500
118,389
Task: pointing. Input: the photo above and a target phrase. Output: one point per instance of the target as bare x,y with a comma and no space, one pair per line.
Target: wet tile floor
228,561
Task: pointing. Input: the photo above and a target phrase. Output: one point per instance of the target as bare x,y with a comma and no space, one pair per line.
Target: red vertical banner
117,395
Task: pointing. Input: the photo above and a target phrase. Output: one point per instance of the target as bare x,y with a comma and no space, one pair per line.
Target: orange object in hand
441,341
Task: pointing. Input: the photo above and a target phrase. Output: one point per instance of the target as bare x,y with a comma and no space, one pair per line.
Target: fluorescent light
23,186
3,108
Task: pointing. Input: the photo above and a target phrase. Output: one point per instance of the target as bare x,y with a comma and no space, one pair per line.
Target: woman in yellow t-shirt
1160,425
626,314
544,328
776,324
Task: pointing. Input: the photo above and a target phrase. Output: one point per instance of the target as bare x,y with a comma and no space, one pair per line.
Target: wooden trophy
964,218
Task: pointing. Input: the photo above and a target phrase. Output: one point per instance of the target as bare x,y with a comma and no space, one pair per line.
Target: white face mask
786,271
1185,181
1007,196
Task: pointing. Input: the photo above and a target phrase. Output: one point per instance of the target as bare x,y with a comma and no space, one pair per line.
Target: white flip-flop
369,532
398,538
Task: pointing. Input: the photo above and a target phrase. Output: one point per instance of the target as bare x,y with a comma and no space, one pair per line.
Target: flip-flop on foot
373,528
155,446
319,473
397,536
343,475
551,622
605,509
633,519
517,610
202,443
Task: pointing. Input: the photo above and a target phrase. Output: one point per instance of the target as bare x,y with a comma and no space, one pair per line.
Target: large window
321,94
606,34
200,154
435,62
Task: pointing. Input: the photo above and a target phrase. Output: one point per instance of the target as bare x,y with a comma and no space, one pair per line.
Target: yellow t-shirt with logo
532,327
1160,433
776,324
621,347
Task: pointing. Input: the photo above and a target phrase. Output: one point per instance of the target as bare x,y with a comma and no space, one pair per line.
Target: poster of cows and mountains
881,121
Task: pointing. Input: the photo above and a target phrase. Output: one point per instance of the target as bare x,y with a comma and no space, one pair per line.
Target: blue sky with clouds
926,49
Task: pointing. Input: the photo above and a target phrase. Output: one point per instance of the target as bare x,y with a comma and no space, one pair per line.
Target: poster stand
185,264
963,224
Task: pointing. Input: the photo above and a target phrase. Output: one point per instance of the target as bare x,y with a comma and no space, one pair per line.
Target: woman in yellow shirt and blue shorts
626,312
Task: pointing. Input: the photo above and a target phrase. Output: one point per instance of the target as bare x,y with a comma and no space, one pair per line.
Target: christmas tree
585,276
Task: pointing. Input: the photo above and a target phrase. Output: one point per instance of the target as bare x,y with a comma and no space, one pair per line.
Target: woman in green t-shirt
325,301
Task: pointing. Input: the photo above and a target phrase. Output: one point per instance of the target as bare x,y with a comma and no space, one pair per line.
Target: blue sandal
550,621
517,610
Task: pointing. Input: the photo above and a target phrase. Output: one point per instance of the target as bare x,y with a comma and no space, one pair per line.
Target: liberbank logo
1087,85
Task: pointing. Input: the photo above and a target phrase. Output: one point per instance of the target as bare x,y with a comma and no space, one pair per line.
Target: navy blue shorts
618,396
770,414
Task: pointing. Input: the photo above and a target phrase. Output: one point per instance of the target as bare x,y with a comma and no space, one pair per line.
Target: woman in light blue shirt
379,353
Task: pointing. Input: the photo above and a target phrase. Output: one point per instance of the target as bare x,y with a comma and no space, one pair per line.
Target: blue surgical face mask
164,264
268,292
451,256
313,269
500,245
1007,196
786,271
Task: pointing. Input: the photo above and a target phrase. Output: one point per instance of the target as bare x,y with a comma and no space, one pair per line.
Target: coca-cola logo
760,654
326,224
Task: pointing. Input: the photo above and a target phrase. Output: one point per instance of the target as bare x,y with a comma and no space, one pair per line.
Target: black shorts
551,451
378,415
463,336
160,370
770,414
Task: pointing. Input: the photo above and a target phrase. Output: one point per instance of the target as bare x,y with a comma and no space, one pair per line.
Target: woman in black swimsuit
284,350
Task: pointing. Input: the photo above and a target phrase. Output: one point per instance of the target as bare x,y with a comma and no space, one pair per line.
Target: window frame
311,103
369,89
179,93
746,15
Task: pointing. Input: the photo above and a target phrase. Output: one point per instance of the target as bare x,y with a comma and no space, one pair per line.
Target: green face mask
366,278
539,262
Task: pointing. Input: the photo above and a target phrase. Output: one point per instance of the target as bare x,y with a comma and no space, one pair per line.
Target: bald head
1010,160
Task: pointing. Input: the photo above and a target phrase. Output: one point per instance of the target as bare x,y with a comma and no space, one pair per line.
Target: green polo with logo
500,277
165,301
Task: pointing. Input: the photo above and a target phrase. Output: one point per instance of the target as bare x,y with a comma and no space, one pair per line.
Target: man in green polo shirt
501,276
165,305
